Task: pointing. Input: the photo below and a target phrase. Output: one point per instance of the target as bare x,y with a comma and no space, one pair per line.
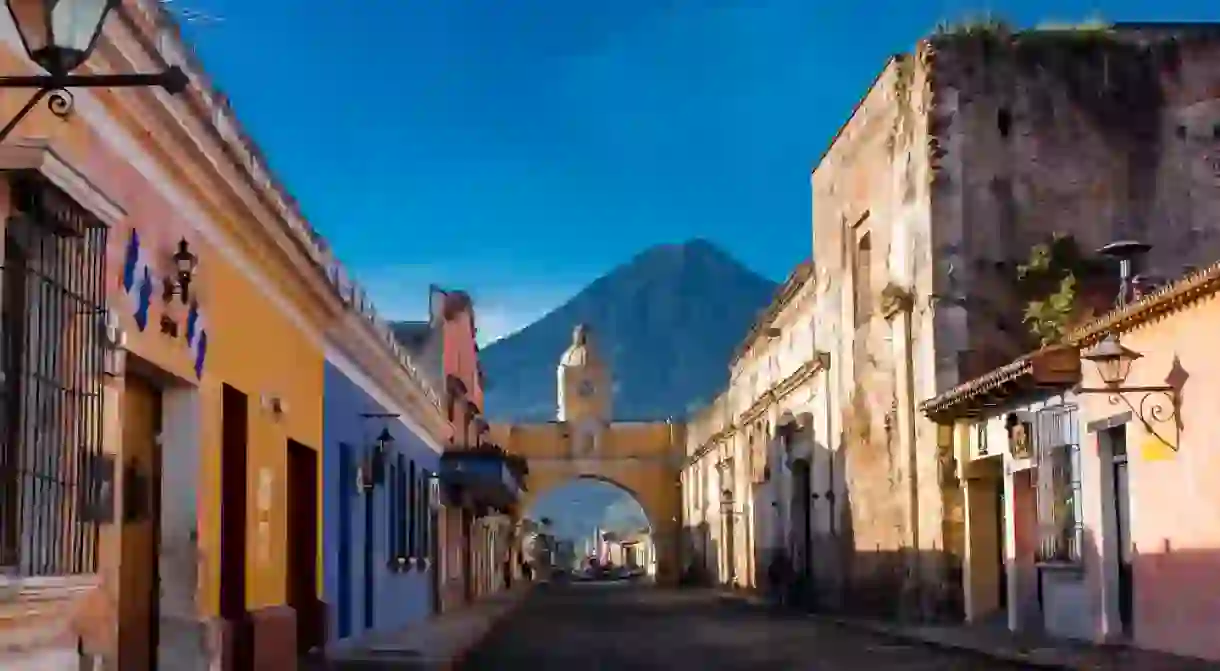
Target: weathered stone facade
961,158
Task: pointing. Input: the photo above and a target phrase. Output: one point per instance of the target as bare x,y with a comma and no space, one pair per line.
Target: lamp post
1155,404
1126,252
59,35
372,471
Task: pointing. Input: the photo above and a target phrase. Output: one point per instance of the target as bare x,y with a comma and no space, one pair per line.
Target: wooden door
139,582
302,587
234,456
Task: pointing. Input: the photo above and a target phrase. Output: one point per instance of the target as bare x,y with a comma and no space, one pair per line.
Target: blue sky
521,148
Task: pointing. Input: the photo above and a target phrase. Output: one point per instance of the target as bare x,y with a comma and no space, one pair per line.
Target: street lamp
59,35
1155,404
1113,361
371,471
184,270
1158,403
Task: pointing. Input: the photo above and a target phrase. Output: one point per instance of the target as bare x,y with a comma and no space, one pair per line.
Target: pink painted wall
460,354
1175,495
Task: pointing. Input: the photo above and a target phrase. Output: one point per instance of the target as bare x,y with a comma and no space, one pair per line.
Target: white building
749,488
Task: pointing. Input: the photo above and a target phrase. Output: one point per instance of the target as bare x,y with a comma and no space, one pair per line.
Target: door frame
1125,580
1109,431
303,543
234,507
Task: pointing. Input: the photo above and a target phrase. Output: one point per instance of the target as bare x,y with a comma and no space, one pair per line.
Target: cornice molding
768,398
202,126
796,281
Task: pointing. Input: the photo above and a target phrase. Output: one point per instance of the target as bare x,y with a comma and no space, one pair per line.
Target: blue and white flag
197,337
137,280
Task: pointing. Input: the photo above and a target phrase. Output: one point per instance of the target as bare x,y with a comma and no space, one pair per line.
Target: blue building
379,526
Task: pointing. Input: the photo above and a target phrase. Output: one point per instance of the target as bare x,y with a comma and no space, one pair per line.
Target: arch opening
590,527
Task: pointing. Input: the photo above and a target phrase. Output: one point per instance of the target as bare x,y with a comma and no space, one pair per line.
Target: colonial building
960,160
168,316
385,430
1085,480
749,477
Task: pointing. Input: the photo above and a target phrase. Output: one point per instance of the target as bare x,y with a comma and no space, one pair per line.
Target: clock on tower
586,388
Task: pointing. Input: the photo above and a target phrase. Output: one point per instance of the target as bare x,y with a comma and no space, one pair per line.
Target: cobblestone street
616,626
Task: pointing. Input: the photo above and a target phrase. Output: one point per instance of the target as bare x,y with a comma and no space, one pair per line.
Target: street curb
460,656
908,637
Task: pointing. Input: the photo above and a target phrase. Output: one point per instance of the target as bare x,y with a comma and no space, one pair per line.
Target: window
52,356
394,515
412,545
425,513
861,280
399,509
1060,528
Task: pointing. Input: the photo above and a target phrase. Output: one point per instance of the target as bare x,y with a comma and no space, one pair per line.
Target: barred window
52,312
1060,527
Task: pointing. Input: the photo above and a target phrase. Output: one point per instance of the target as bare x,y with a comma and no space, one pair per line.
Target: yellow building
178,417
641,458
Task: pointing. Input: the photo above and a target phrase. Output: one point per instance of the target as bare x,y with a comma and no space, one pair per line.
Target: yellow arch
641,458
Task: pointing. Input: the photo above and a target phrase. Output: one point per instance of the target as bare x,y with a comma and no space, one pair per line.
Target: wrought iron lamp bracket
60,101
1155,405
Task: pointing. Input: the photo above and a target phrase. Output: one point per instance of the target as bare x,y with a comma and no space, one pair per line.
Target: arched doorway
592,527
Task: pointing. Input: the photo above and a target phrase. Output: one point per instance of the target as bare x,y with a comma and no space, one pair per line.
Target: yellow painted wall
258,351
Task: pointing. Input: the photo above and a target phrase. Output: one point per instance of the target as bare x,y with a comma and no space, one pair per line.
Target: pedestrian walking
779,576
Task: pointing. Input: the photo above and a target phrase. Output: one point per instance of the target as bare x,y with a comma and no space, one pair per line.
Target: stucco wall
1174,533
400,598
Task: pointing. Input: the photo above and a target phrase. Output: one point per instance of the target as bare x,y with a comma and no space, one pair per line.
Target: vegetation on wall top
1049,284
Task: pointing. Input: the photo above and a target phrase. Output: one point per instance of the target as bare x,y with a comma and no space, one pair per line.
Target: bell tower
584,387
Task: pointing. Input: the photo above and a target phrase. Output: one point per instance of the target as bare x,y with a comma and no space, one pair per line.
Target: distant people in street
779,574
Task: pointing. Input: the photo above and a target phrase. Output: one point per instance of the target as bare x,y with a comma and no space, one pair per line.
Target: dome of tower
581,352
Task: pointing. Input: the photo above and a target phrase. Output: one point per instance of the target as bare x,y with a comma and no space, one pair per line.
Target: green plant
1048,318
1049,284
984,25
1094,24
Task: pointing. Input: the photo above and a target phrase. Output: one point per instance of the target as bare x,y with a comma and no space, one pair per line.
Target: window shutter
400,513
412,532
425,515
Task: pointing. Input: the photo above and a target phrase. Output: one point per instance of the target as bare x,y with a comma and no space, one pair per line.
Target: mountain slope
666,322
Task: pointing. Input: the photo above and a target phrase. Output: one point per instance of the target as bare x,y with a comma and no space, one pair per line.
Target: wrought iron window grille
52,371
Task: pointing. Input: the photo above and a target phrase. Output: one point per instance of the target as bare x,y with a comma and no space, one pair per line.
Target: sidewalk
1028,649
438,643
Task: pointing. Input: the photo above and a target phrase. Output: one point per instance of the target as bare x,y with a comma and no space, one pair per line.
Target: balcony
483,477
